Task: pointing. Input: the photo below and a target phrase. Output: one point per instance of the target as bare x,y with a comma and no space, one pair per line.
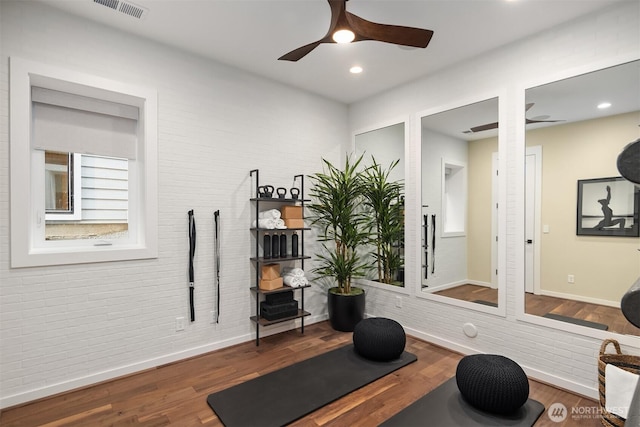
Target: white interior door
533,185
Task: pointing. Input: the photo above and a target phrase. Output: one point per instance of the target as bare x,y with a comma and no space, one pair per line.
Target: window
454,198
58,183
83,168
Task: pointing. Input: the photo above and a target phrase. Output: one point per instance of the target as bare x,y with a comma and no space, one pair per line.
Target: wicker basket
623,361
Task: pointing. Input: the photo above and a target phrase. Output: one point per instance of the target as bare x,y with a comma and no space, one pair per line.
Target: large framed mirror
385,145
581,218
459,194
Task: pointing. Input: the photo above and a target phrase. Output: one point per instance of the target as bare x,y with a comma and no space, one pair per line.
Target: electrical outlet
399,302
571,278
180,322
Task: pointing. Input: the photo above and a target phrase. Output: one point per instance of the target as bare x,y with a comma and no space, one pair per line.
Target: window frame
27,249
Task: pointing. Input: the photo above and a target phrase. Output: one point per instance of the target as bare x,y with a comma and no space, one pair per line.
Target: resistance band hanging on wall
216,218
433,243
192,252
425,226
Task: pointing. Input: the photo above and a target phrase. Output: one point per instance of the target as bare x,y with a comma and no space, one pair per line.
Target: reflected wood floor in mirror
539,305
175,394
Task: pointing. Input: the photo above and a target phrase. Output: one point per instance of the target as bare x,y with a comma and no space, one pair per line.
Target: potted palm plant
383,199
337,212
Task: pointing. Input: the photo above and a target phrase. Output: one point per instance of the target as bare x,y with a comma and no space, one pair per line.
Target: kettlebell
281,192
295,192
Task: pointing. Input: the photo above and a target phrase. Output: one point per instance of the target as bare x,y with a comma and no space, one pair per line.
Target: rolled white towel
279,224
294,281
271,213
290,271
266,223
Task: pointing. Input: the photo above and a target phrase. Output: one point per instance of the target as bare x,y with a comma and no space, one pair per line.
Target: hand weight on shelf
282,192
295,192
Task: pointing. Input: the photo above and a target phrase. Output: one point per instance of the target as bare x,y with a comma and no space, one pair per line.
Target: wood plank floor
175,394
539,305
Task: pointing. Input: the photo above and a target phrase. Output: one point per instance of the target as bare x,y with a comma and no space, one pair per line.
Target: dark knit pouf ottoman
379,339
492,383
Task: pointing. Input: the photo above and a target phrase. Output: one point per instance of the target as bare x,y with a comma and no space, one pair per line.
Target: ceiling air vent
123,7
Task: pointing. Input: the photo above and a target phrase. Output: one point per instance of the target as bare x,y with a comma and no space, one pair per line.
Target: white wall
67,326
386,145
567,358
451,252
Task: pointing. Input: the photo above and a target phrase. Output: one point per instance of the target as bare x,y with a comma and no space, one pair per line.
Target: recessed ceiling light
604,105
356,69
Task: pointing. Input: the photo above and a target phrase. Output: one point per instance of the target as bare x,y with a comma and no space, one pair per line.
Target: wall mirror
459,217
581,223
386,144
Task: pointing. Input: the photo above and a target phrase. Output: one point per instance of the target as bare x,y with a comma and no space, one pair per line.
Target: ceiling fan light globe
343,36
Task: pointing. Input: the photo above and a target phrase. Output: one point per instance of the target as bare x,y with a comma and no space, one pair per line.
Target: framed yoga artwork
607,207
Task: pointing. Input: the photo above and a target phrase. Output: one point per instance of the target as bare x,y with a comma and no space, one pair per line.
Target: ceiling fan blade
300,52
363,30
338,9
338,18
488,126
396,34
529,121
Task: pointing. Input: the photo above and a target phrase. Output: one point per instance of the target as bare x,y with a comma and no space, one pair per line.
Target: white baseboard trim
98,377
533,373
440,341
581,298
437,288
479,283
563,383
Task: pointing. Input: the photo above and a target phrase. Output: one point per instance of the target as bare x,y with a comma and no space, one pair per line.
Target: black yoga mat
445,407
576,321
283,396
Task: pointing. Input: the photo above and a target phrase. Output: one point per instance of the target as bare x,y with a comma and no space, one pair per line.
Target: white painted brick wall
62,327
563,358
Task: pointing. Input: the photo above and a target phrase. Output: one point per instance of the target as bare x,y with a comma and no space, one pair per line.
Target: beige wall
604,267
479,209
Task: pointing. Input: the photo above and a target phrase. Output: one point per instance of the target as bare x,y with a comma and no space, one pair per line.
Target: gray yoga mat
283,396
445,407
576,321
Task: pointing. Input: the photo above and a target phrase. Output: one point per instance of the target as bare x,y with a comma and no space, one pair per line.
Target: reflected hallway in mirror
459,203
581,241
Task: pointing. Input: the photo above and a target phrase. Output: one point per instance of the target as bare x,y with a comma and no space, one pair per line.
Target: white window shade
70,123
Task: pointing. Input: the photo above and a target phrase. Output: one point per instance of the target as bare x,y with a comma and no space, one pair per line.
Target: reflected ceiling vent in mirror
124,7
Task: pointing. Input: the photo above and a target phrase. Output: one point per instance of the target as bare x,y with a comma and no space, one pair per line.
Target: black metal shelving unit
258,261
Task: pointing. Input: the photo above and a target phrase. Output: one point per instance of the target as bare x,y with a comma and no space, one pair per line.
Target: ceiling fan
346,27
537,119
